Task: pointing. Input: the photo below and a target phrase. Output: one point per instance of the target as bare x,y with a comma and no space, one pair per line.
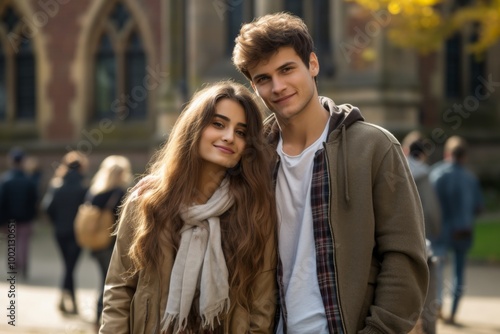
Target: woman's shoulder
100,199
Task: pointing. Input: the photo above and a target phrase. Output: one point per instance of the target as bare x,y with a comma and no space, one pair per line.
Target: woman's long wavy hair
114,172
175,169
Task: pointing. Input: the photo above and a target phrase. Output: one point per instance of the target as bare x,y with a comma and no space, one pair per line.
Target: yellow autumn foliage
425,24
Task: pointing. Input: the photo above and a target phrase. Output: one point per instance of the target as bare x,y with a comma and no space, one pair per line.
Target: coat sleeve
119,288
401,284
265,292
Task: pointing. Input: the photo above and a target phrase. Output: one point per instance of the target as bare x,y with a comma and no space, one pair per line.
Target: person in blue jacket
459,193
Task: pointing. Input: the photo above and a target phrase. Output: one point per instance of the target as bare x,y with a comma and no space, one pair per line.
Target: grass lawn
486,240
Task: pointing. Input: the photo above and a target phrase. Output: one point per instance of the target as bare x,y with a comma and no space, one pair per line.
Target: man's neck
300,132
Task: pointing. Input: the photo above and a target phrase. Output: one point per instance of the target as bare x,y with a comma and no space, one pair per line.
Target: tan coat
137,305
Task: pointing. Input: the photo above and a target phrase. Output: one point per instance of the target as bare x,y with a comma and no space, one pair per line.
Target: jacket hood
341,115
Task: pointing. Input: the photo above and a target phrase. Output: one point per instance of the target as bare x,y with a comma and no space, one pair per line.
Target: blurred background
110,77
106,76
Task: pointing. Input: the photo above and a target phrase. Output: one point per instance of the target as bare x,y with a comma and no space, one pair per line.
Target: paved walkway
37,297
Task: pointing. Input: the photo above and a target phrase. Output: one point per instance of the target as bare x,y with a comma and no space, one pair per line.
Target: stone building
110,76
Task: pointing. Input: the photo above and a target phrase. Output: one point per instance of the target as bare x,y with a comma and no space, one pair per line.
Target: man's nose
278,85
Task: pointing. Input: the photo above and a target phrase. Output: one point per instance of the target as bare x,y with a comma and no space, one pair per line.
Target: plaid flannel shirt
323,236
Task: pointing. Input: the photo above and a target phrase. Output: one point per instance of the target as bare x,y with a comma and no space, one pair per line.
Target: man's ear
313,64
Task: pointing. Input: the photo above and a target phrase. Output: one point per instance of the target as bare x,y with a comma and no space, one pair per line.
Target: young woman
195,249
65,194
107,189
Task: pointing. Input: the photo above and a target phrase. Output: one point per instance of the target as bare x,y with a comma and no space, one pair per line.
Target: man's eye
261,80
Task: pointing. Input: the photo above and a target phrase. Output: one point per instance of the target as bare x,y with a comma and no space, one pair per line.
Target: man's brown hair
261,38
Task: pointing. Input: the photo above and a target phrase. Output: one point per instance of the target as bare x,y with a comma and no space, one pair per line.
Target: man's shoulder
370,131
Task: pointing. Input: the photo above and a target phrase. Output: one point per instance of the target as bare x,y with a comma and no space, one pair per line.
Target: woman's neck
208,182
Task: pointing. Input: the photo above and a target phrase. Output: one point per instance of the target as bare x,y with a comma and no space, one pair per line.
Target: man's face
284,83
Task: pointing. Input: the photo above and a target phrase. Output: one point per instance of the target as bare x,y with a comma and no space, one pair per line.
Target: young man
351,234
459,194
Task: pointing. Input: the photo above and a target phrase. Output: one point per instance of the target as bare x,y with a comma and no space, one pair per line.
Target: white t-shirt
306,312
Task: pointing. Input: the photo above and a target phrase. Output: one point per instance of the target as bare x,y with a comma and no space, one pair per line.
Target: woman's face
223,141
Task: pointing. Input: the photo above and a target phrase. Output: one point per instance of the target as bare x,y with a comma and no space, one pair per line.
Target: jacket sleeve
119,288
401,283
265,292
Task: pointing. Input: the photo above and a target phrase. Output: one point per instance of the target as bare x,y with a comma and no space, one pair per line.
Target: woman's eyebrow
227,119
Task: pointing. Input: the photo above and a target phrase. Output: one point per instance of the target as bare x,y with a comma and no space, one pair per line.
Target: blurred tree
425,24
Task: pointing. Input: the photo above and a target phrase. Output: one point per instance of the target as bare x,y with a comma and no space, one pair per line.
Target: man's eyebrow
286,65
227,119
258,76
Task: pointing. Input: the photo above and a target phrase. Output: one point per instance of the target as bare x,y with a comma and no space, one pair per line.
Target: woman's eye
242,134
217,124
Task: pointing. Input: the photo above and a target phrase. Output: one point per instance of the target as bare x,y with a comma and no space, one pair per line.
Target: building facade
110,76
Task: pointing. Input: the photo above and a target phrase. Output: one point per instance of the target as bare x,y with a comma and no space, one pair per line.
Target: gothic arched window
120,69
17,69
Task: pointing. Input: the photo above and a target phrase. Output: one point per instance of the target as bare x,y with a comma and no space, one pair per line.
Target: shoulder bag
93,225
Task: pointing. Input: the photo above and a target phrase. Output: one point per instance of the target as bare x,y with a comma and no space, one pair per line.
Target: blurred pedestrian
18,207
414,148
33,169
106,191
65,193
195,244
461,200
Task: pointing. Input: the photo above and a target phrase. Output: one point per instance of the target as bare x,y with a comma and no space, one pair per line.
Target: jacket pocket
370,290
140,314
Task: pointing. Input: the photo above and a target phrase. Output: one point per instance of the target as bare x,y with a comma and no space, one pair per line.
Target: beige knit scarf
200,263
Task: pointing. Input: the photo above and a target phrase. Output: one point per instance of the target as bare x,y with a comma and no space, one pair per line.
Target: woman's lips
224,149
